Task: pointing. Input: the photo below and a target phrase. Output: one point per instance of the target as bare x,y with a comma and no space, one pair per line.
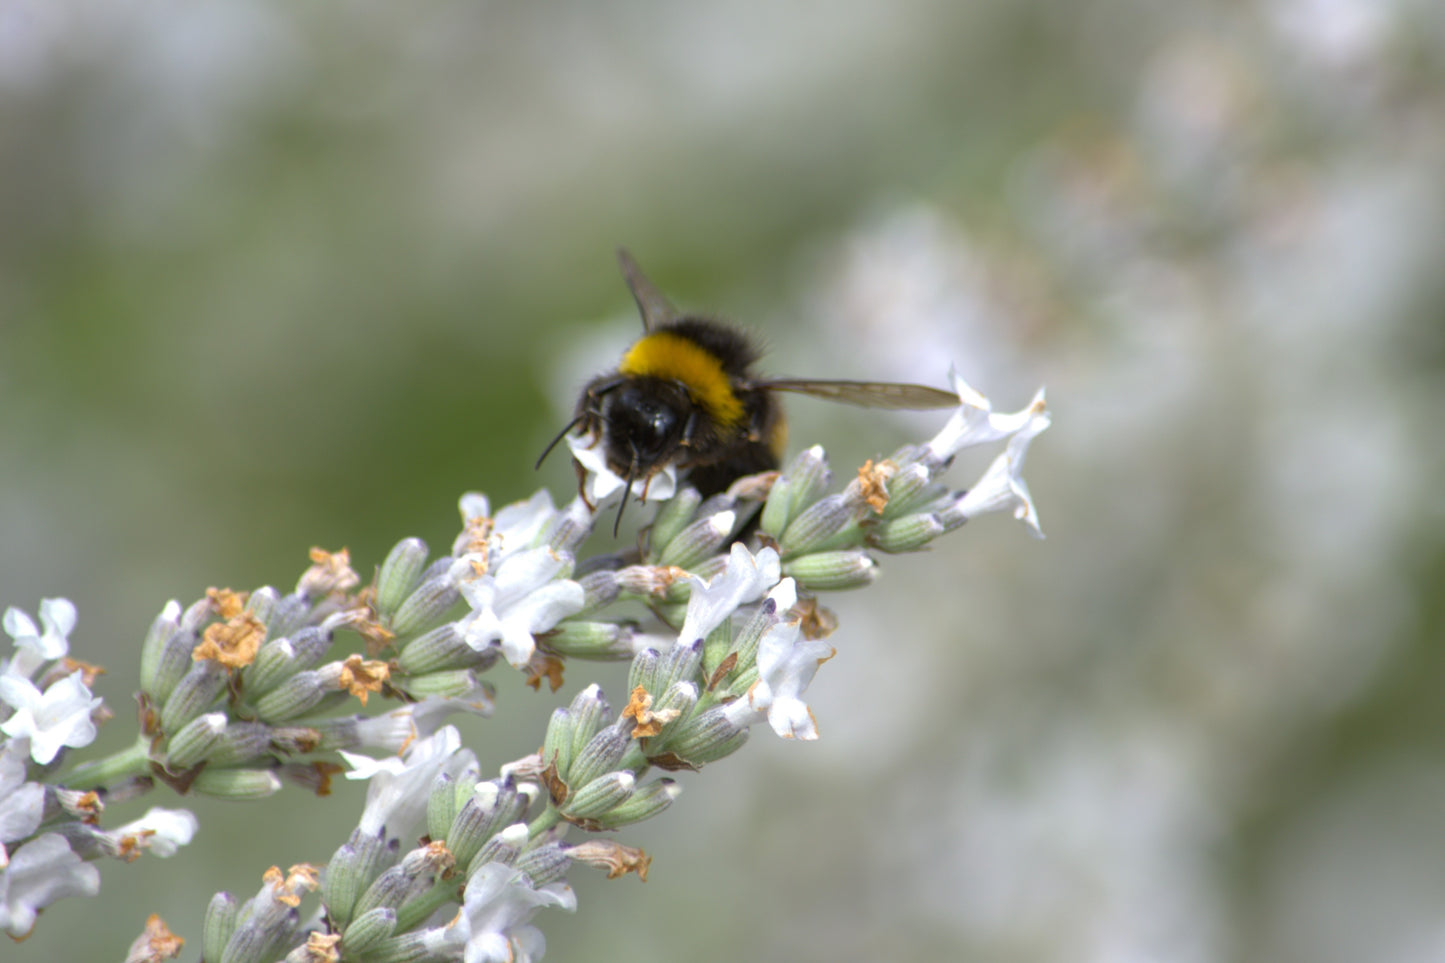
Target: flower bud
172,663
450,684
906,534
699,540
599,590
426,605
351,869
243,784
594,641
707,738
165,626
441,806
673,517
399,574
828,522
643,671
239,743
680,664
545,864
441,648
645,803
557,743
797,488
195,740
220,923
599,795
832,571
599,756
589,711
295,697
367,931
199,689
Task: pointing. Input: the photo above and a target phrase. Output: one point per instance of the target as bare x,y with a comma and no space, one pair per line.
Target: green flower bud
367,931
236,783
832,571
599,795
195,740
645,803
398,576
906,534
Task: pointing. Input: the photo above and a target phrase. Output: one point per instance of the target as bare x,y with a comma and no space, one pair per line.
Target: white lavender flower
36,646
787,662
160,831
396,798
515,586
1002,486
41,872
746,578
976,423
498,903
520,598
22,804
51,720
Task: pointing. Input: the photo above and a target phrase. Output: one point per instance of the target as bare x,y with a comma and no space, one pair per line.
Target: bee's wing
655,308
868,394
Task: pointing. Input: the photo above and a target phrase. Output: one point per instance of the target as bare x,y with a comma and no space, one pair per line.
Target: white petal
479,590
552,603
791,719
161,831
497,904
54,719
518,525
19,626
526,572
785,595
976,423
396,799
481,628
517,643
58,617
746,578
21,809
364,767
41,872
474,505
390,730
1002,487
19,694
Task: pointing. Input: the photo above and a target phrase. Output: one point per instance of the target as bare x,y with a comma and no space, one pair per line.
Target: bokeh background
275,275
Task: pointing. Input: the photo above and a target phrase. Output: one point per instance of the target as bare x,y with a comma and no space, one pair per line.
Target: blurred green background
279,275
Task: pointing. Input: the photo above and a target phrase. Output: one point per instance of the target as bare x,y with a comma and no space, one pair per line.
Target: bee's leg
689,429
582,486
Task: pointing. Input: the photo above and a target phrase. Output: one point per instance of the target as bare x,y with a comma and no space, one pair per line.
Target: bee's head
645,422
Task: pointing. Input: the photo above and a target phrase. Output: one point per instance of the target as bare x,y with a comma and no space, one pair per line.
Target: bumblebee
685,395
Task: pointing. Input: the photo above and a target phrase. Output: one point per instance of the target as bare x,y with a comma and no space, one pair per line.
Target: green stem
548,818
102,773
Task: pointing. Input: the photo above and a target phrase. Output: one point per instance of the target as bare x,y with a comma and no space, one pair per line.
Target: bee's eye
655,429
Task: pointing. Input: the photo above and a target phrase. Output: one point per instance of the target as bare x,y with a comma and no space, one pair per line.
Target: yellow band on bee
664,354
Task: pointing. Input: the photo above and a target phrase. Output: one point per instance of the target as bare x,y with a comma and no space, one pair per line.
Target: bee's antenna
626,491
655,308
553,444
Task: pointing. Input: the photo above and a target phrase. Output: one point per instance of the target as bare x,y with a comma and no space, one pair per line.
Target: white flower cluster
516,582
238,686
46,709
40,720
